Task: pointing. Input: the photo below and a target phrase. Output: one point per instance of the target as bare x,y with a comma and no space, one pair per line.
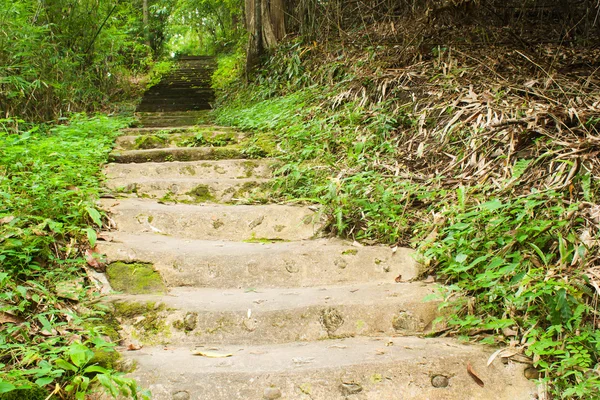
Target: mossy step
191,138
229,169
194,190
216,316
177,154
214,221
175,129
257,261
354,368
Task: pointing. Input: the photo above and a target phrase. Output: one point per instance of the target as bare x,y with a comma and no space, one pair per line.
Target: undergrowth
51,335
493,180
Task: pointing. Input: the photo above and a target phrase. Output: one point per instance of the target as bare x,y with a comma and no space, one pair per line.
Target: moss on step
201,194
149,142
181,154
135,278
260,145
148,319
106,359
249,167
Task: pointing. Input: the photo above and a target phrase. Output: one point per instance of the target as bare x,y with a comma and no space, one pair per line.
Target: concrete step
229,169
194,190
173,107
262,316
177,129
214,222
172,118
186,139
177,154
358,368
251,261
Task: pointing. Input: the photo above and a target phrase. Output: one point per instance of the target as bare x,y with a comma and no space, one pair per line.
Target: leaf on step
474,375
93,260
211,354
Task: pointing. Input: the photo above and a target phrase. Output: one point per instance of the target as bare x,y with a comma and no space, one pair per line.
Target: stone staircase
186,88
223,296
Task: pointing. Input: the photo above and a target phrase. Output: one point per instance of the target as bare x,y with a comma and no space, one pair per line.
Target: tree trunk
255,36
145,20
273,15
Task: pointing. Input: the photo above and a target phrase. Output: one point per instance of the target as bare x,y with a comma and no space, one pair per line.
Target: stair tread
382,368
270,299
209,221
224,263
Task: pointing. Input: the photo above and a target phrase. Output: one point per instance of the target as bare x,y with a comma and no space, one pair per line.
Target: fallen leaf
303,360
6,220
105,237
211,354
93,260
6,318
474,375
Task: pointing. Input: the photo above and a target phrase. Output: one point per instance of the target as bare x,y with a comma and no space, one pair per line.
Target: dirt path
229,299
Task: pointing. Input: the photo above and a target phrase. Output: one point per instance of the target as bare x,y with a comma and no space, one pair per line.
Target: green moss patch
201,194
148,319
149,142
135,278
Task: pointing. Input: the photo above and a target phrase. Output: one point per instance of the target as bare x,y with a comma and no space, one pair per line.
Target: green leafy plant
49,181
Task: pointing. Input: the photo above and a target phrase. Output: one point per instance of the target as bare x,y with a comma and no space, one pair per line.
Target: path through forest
223,297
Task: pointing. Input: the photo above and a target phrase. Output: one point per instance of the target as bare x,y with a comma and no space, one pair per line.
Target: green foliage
158,71
230,69
61,56
49,181
205,27
517,263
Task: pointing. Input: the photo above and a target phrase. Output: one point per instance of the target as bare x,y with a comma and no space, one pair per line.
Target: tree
265,22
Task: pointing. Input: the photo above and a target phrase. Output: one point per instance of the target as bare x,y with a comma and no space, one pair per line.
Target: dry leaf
92,258
211,354
6,318
474,375
6,220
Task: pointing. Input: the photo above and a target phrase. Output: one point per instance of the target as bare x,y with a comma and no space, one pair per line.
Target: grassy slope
50,339
475,170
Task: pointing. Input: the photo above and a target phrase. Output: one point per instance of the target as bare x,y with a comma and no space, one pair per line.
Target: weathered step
238,169
358,368
177,154
173,107
190,139
229,264
214,222
172,118
209,129
193,190
262,316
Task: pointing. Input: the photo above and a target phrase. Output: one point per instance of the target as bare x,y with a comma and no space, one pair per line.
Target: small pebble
272,393
350,388
181,396
439,381
531,373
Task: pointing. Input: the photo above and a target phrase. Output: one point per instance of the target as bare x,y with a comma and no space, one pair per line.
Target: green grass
49,182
